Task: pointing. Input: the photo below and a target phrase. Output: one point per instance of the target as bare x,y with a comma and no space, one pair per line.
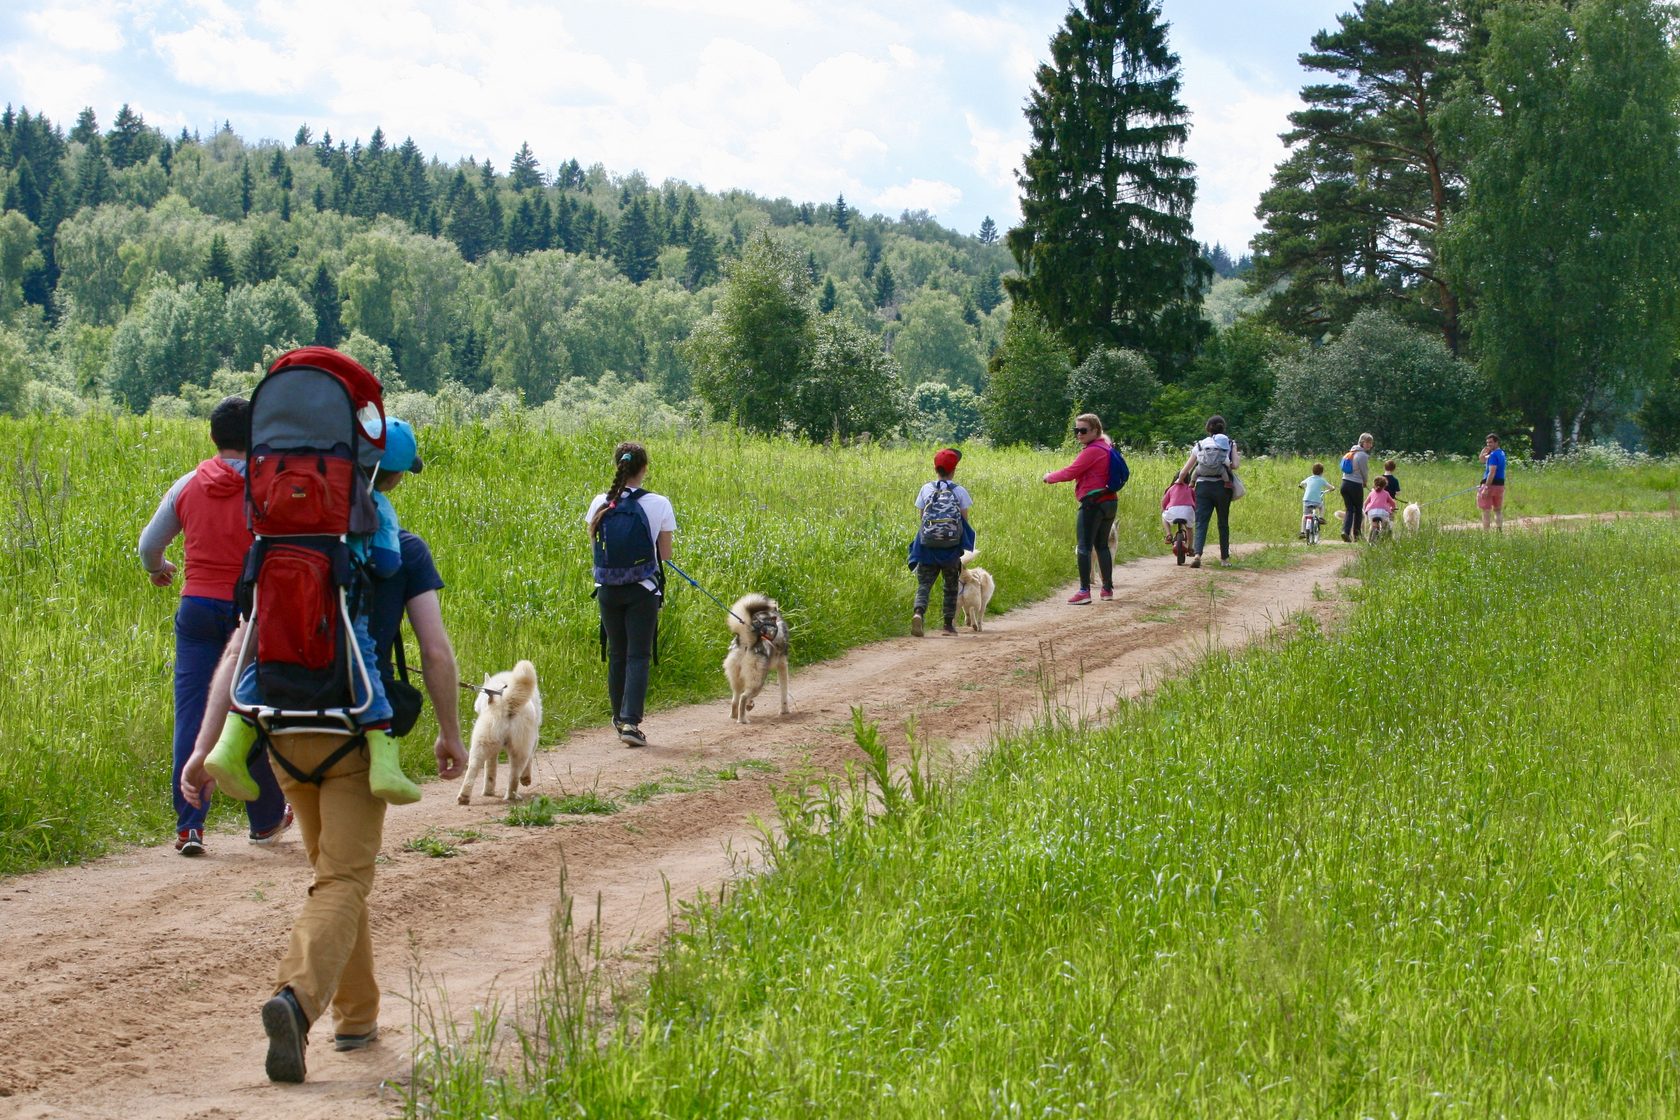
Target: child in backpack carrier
379,554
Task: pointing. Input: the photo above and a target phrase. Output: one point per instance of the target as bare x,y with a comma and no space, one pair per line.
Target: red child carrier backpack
317,422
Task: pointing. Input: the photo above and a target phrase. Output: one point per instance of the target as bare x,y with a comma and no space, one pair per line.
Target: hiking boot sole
286,1035
342,1042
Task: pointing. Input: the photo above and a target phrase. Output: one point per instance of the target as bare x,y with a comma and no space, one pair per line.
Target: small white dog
1412,516
509,711
974,591
760,645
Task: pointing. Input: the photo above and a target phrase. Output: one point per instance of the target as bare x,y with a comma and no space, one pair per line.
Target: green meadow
86,642
1422,867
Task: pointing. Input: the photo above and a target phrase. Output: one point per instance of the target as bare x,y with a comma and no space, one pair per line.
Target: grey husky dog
760,645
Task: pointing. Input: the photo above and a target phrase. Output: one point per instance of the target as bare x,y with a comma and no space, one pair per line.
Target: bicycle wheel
1311,522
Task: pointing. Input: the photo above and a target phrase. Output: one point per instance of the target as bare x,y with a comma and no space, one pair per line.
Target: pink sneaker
1081,596
1107,594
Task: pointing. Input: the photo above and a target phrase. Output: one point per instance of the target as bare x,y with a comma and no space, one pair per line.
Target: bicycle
1180,541
1312,521
1377,529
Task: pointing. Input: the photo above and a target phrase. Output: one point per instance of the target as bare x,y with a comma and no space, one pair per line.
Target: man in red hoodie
208,506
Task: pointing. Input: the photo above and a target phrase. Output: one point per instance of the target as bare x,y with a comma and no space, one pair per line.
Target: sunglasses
1080,431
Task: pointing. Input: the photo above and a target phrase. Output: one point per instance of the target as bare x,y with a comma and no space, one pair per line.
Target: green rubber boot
229,760
385,776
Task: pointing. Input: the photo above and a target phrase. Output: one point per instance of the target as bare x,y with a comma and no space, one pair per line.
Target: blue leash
692,582
1454,494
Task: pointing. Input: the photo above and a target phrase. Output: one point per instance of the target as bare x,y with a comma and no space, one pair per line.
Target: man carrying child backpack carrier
1098,473
301,674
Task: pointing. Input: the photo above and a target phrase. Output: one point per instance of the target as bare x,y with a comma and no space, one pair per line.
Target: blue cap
402,451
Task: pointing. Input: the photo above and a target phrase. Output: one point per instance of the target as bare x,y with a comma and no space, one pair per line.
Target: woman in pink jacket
1089,474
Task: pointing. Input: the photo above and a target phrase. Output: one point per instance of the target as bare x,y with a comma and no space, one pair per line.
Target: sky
897,104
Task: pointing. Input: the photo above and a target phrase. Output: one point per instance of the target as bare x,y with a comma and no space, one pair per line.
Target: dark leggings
630,616
926,574
1212,494
1095,520
1353,497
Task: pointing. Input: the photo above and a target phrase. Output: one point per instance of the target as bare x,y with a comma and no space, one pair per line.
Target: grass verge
1424,868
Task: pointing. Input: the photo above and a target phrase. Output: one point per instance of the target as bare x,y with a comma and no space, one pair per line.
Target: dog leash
465,687
692,582
1454,494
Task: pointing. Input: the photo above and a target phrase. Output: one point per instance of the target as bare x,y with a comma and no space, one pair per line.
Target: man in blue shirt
1490,495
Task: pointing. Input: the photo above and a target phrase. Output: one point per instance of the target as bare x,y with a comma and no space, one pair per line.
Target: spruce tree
130,141
303,138
87,127
701,267
323,297
988,231
842,214
261,261
524,173
218,267
829,297
247,187
885,286
636,247
1104,244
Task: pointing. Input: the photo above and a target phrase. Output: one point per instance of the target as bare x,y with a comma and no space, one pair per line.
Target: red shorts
1491,497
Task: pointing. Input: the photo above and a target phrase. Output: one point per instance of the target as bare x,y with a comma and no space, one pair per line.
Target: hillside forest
1473,226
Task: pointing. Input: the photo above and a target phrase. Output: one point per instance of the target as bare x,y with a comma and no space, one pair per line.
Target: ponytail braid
629,460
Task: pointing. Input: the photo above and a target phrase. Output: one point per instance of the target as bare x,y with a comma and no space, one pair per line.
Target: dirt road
134,982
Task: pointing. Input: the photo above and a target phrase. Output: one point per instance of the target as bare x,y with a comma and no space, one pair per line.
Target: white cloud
931,195
54,83
77,28
997,153
1234,127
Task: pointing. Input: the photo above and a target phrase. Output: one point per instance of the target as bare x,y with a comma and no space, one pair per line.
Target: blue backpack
1118,475
624,546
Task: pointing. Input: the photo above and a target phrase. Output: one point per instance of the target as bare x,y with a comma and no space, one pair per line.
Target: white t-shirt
661,519
964,502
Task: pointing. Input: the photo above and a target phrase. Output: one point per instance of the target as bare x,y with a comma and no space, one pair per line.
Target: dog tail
968,556
521,686
740,615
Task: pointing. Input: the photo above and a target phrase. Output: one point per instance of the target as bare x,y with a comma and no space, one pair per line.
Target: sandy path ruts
134,982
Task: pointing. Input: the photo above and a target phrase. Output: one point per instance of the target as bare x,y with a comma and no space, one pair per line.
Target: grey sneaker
288,1034
1196,560
916,625
631,735
355,1041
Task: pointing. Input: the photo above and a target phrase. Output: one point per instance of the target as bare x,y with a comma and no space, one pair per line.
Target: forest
1473,226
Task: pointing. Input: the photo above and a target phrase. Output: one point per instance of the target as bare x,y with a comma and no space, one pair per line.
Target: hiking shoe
631,735
1224,562
916,625
273,834
288,1034
355,1041
189,842
949,628
1107,594
1196,560
1080,597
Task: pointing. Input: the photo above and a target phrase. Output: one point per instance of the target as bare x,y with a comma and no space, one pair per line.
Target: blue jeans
202,629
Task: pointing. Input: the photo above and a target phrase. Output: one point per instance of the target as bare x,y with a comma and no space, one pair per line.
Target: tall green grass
1425,868
86,643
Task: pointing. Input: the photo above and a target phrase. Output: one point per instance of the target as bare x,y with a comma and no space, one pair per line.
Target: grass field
1425,868
86,643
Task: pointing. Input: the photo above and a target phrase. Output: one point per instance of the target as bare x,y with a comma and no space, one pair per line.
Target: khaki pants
330,958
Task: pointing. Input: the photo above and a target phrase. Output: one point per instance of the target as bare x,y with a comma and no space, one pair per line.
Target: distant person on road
630,530
1313,488
1379,506
1097,504
1356,476
1178,506
1213,464
1490,493
944,506
329,958
1393,486
207,506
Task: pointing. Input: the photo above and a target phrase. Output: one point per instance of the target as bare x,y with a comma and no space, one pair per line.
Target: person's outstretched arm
442,680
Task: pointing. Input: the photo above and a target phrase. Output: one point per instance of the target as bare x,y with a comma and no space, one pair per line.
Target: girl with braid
630,531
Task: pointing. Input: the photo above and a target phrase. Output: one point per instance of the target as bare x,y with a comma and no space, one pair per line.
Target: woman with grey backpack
1213,467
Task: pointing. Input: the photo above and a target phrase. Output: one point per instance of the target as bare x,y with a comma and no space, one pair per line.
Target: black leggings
1213,496
630,617
1353,497
1095,520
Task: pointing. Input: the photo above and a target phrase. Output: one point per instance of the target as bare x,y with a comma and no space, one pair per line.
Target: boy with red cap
938,546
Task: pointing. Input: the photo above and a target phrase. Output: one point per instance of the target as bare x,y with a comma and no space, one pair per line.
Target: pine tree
885,286
469,223
988,231
247,187
277,165
988,291
842,214
635,247
522,229
525,173
829,297
1104,244
93,177
323,297
261,261
218,267
28,193
303,138
130,141
701,267
87,127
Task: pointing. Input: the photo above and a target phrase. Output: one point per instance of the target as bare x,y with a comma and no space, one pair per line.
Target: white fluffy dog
760,645
509,711
1412,516
974,591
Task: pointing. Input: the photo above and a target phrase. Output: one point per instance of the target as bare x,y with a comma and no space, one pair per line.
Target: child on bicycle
1379,506
1393,486
1313,489
1178,506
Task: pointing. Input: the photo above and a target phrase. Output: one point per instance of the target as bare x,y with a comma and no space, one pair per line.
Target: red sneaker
1080,597
1107,594
273,834
189,842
